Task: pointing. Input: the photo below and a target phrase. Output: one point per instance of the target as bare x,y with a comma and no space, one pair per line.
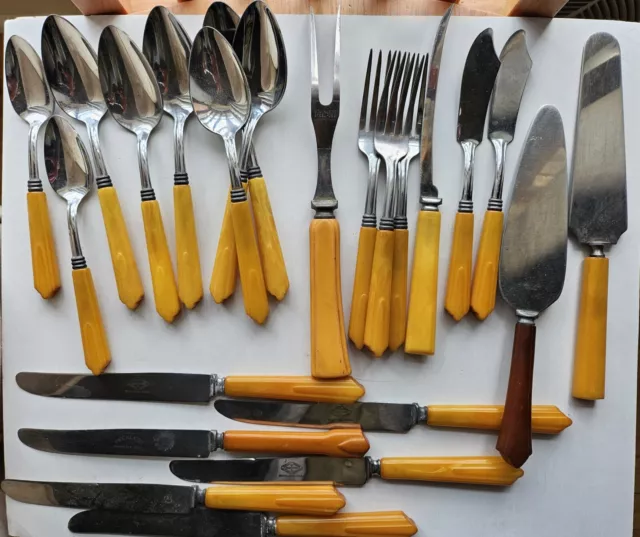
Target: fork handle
361,282
398,322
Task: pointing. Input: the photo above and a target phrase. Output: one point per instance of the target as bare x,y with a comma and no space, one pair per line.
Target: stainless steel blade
534,247
599,178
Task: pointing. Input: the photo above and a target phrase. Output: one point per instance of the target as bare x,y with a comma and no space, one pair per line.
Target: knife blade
193,443
598,202
171,499
187,387
492,471
515,65
205,523
478,78
390,417
532,265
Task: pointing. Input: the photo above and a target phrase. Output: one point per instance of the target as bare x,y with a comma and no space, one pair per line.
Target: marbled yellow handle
165,292
458,297
383,523
469,470
361,283
485,275
275,271
94,337
329,358
128,280
423,298
589,366
225,266
187,252
44,262
398,320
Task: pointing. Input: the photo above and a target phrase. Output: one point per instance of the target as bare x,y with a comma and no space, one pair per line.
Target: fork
391,144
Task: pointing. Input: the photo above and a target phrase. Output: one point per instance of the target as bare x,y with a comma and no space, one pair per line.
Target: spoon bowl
224,19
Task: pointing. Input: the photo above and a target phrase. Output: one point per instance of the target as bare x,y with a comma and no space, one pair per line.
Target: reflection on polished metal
224,19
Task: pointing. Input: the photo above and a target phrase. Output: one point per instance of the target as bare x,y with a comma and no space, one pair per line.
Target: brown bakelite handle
514,441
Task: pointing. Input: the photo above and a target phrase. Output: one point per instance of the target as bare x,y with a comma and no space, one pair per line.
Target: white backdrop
577,484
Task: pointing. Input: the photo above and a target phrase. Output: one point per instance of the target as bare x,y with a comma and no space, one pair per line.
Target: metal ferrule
400,222
527,316
200,495
369,220
597,250
465,206
34,185
386,224
495,204
428,203
422,413
78,262
373,465
253,172
469,150
147,194
103,181
216,386
217,440
270,527
180,179
238,194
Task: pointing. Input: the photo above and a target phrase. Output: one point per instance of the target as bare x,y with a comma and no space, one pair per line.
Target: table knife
390,417
598,202
206,523
143,498
423,297
194,443
478,79
533,263
188,387
351,472
515,65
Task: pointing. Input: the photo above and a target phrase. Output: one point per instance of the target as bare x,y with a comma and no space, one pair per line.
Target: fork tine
390,123
400,118
365,95
384,99
374,99
423,88
417,75
336,59
315,93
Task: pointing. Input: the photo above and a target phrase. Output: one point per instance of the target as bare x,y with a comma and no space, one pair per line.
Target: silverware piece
532,265
71,177
598,202
224,19
30,97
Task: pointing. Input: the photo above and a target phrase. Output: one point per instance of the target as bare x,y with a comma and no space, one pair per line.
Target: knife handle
297,499
545,419
188,255
591,343
383,523
165,292
458,297
94,339
485,276
423,297
469,470
361,282
514,440
225,266
275,271
376,329
344,390
128,280
44,262
335,443
329,358
398,322
254,292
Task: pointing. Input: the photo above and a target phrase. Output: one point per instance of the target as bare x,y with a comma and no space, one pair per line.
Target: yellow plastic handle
423,298
545,419
485,275
384,523
254,293
128,280
298,499
329,358
189,273
589,366
94,337
361,282
44,263
335,443
165,292
398,321
275,271
376,328
469,470
345,390
225,266
458,297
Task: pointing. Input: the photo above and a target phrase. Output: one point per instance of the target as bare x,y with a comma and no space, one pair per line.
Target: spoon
31,99
71,66
224,19
221,100
71,177
133,98
167,46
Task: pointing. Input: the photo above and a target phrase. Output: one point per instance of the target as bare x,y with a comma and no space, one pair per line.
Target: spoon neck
35,183
179,122
247,140
99,167
232,160
77,258
143,164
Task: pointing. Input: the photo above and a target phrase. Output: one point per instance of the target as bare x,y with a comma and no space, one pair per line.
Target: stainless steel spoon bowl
224,19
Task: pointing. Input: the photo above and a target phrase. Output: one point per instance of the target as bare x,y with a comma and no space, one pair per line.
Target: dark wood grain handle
514,441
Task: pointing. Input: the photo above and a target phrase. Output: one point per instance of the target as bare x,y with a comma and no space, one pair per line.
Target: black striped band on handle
181,178
34,185
103,181
78,262
147,194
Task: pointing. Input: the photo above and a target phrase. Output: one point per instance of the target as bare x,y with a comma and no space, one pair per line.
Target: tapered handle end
44,262
458,297
225,266
398,321
361,283
383,524
188,254
485,276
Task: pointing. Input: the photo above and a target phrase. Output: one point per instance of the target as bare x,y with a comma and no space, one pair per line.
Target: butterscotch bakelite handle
589,366
469,470
297,499
485,275
458,297
335,443
345,390
225,266
398,320
44,262
384,523
361,283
